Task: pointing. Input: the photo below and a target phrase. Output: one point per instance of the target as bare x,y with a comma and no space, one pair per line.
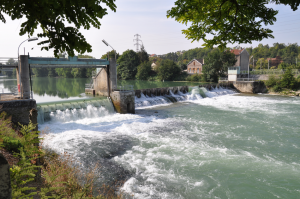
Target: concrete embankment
250,87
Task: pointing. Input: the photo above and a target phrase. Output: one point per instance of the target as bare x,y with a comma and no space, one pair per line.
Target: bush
271,82
195,77
277,88
288,80
188,78
12,144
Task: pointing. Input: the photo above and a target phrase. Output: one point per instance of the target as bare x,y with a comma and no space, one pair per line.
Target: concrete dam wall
175,89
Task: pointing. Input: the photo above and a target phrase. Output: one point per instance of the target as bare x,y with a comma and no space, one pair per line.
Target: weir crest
88,108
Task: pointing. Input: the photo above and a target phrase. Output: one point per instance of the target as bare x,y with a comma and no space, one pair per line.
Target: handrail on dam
71,62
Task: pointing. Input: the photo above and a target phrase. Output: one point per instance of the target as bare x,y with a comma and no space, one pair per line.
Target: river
226,145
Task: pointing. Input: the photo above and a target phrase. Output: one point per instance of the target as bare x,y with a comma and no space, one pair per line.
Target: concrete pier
105,84
105,81
25,79
123,101
21,111
251,87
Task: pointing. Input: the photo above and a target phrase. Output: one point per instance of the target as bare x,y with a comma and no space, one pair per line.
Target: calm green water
58,89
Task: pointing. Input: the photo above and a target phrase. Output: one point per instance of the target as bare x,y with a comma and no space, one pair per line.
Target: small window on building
197,70
190,70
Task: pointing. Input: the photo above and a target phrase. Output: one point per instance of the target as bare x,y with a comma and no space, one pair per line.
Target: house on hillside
242,57
195,66
153,65
153,55
274,61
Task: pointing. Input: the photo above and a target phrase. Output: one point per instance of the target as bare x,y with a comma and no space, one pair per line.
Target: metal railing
243,72
238,79
94,73
124,88
14,92
246,79
89,86
223,79
272,71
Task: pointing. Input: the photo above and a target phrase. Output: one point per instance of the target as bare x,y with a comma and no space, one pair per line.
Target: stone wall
22,111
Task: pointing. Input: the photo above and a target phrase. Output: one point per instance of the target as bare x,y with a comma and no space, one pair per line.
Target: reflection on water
139,84
61,87
52,89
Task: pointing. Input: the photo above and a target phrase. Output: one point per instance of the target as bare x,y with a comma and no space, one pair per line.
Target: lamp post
111,47
115,82
29,39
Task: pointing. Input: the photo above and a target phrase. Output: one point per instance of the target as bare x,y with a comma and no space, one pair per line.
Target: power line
137,40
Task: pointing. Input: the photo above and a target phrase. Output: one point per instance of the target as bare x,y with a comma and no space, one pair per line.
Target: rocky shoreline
286,93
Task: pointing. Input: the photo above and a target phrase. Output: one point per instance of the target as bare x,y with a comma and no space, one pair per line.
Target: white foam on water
182,157
153,101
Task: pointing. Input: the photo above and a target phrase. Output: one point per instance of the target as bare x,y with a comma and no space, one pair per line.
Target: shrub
188,78
271,81
277,88
288,80
195,77
12,144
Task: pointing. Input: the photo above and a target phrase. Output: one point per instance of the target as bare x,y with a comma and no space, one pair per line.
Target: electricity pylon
137,40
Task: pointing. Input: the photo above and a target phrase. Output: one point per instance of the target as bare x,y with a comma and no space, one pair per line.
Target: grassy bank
39,173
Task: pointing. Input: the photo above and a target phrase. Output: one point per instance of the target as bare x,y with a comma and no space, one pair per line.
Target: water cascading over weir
23,109
104,84
74,109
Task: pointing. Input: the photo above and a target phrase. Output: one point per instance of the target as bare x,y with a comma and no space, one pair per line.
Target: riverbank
36,172
286,92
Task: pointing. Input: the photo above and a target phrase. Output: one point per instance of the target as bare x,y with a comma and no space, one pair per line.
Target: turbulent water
209,144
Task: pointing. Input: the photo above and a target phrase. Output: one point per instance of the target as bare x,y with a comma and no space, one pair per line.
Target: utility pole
260,64
137,44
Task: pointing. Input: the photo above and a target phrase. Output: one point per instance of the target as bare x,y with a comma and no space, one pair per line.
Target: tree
144,71
128,63
288,80
11,61
64,72
78,72
167,70
51,16
261,64
217,64
111,54
40,72
229,21
51,72
143,55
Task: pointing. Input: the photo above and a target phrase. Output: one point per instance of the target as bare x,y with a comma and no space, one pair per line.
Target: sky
159,34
